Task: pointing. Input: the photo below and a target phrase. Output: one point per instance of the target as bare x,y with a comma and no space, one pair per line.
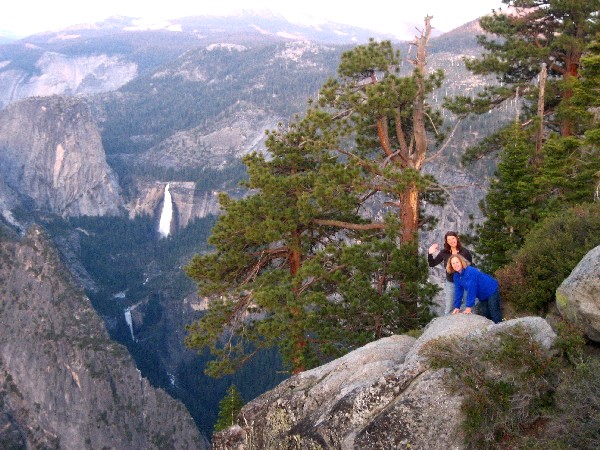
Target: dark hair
446,245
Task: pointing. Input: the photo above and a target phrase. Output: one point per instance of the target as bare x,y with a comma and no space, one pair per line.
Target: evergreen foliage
535,32
229,407
381,289
297,263
508,204
530,184
261,242
548,255
391,123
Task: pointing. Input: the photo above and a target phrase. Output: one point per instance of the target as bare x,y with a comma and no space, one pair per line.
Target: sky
26,17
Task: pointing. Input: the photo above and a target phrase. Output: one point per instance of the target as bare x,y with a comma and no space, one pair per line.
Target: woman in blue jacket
478,285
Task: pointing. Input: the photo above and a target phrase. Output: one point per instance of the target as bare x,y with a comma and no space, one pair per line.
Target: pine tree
532,33
381,289
527,190
586,98
566,176
258,298
508,204
391,122
229,407
299,263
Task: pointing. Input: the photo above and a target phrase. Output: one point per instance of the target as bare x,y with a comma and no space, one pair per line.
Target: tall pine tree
520,44
508,205
522,38
301,263
392,124
257,298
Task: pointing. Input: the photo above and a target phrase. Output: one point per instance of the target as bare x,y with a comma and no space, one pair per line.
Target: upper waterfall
164,225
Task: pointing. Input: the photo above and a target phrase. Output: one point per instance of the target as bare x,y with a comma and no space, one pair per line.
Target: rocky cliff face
8,202
63,382
51,152
238,132
380,396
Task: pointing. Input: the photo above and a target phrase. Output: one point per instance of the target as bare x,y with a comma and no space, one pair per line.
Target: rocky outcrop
51,152
381,396
578,296
63,382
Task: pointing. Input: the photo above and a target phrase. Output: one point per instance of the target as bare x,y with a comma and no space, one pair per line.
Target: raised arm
430,258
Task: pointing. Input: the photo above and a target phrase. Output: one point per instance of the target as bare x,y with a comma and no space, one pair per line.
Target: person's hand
456,311
434,248
467,311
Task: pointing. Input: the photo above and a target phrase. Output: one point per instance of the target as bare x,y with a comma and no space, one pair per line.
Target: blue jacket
477,284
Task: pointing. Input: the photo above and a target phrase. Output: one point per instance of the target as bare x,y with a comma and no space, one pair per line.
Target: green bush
506,381
549,254
574,422
577,424
229,407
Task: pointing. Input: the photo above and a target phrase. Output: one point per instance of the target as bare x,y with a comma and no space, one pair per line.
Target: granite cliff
63,382
57,73
380,396
51,153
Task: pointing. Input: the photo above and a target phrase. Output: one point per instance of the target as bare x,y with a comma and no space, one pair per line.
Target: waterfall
164,225
129,322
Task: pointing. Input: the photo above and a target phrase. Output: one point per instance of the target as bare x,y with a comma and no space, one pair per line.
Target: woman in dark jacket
478,286
452,246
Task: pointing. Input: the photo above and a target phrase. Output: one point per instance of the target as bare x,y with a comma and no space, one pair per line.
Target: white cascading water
129,322
164,225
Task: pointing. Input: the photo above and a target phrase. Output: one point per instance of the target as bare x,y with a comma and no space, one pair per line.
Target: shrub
506,381
570,341
549,254
577,424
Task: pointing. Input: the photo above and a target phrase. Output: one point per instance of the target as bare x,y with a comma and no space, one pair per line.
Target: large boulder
382,396
578,296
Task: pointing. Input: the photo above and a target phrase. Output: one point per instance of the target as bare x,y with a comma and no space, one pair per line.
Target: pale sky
25,17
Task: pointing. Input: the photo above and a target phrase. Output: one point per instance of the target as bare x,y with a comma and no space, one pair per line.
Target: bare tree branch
349,225
439,152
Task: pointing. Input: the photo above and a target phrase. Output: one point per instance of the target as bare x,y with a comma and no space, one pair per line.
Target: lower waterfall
129,322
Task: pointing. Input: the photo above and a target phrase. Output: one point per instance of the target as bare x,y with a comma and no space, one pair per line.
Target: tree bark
541,98
409,213
409,199
419,103
566,126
